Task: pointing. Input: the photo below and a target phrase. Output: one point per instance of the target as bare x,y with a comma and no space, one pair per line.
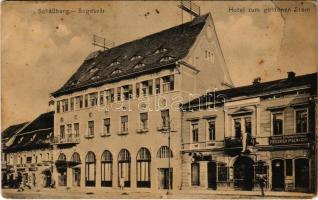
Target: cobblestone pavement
64,194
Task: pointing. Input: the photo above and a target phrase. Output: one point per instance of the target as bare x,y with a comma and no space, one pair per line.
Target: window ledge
142,130
105,135
122,133
89,136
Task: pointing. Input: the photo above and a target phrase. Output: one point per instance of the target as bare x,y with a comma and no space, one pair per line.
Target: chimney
257,81
291,75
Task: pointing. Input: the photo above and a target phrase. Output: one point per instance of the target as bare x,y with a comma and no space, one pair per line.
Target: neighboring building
30,154
7,137
113,115
232,137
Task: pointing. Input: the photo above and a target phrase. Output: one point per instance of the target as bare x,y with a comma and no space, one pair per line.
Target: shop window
124,162
195,174
277,123
106,169
143,168
301,121
90,169
289,167
222,172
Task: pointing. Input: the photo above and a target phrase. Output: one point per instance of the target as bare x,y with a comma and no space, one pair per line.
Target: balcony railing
70,139
202,145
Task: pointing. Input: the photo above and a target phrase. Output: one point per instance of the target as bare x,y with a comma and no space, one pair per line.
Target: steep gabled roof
258,89
149,53
38,134
11,131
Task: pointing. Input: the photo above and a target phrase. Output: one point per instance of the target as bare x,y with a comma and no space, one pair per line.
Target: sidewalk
114,193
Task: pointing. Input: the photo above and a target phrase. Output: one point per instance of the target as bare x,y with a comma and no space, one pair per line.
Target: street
68,194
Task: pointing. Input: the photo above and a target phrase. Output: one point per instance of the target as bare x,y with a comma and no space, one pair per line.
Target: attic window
116,71
161,50
135,58
20,140
166,59
95,77
139,65
114,63
33,137
94,69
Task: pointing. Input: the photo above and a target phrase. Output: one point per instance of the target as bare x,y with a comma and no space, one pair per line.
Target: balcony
233,145
202,145
68,140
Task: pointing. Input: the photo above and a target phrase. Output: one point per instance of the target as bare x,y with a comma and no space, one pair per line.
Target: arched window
143,168
90,169
164,152
76,158
124,167
106,169
76,169
62,157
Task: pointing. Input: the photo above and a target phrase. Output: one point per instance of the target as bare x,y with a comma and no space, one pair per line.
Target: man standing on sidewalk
262,180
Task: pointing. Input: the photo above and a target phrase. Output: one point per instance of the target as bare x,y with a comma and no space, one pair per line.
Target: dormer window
116,71
20,140
166,59
93,70
135,58
161,50
33,137
95,77
139,65
114,63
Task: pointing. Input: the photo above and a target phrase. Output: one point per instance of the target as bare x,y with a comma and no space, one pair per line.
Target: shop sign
289,139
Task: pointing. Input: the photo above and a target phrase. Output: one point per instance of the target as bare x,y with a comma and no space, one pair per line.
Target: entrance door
212,175
164,178
302,174
76,177
278,175
243,173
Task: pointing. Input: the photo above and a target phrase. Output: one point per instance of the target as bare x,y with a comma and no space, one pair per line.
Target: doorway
212,175
77,177
302,174
164,178
278,175
243,173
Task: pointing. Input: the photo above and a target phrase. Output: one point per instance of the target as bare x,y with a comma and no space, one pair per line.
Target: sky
39,52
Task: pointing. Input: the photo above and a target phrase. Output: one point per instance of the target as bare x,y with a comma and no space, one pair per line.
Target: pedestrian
262,180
